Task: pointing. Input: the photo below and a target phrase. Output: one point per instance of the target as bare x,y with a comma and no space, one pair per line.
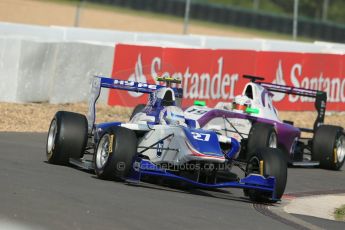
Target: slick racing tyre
114,154
267,162
137,109
261,135
67,137
329,147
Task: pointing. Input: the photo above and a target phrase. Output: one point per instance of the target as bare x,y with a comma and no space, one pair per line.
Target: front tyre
67,137
261,135
329,147
114,154
267,162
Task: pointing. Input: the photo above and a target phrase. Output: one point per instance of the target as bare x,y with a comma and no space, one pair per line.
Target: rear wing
99,82
320,97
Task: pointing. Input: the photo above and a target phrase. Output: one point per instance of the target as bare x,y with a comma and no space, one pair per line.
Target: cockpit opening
168,99
249,92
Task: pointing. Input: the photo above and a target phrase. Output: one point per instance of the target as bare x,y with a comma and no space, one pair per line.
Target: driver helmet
241,103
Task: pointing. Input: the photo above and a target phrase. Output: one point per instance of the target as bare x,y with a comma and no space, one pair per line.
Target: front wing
252,181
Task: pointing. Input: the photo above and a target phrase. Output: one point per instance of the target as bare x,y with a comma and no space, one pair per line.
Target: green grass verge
339,213
224,27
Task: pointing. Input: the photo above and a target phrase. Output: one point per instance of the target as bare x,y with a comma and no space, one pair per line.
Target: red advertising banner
216,75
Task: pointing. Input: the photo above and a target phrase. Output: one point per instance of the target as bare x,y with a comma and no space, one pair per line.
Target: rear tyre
115,153
261,135
273,164
329,147
137,109
67,137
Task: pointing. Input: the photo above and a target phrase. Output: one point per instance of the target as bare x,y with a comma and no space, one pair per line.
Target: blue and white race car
159,141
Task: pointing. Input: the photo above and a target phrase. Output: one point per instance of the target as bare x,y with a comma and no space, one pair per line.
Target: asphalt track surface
38,195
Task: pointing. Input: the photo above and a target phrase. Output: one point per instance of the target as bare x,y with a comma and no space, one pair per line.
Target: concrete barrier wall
55,64
75,65
36,67
9,67
55,72
71,34
43,33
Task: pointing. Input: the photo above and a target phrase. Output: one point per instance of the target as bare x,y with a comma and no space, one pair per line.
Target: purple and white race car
252,119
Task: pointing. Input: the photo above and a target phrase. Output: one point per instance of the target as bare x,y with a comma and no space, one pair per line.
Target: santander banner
216,75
